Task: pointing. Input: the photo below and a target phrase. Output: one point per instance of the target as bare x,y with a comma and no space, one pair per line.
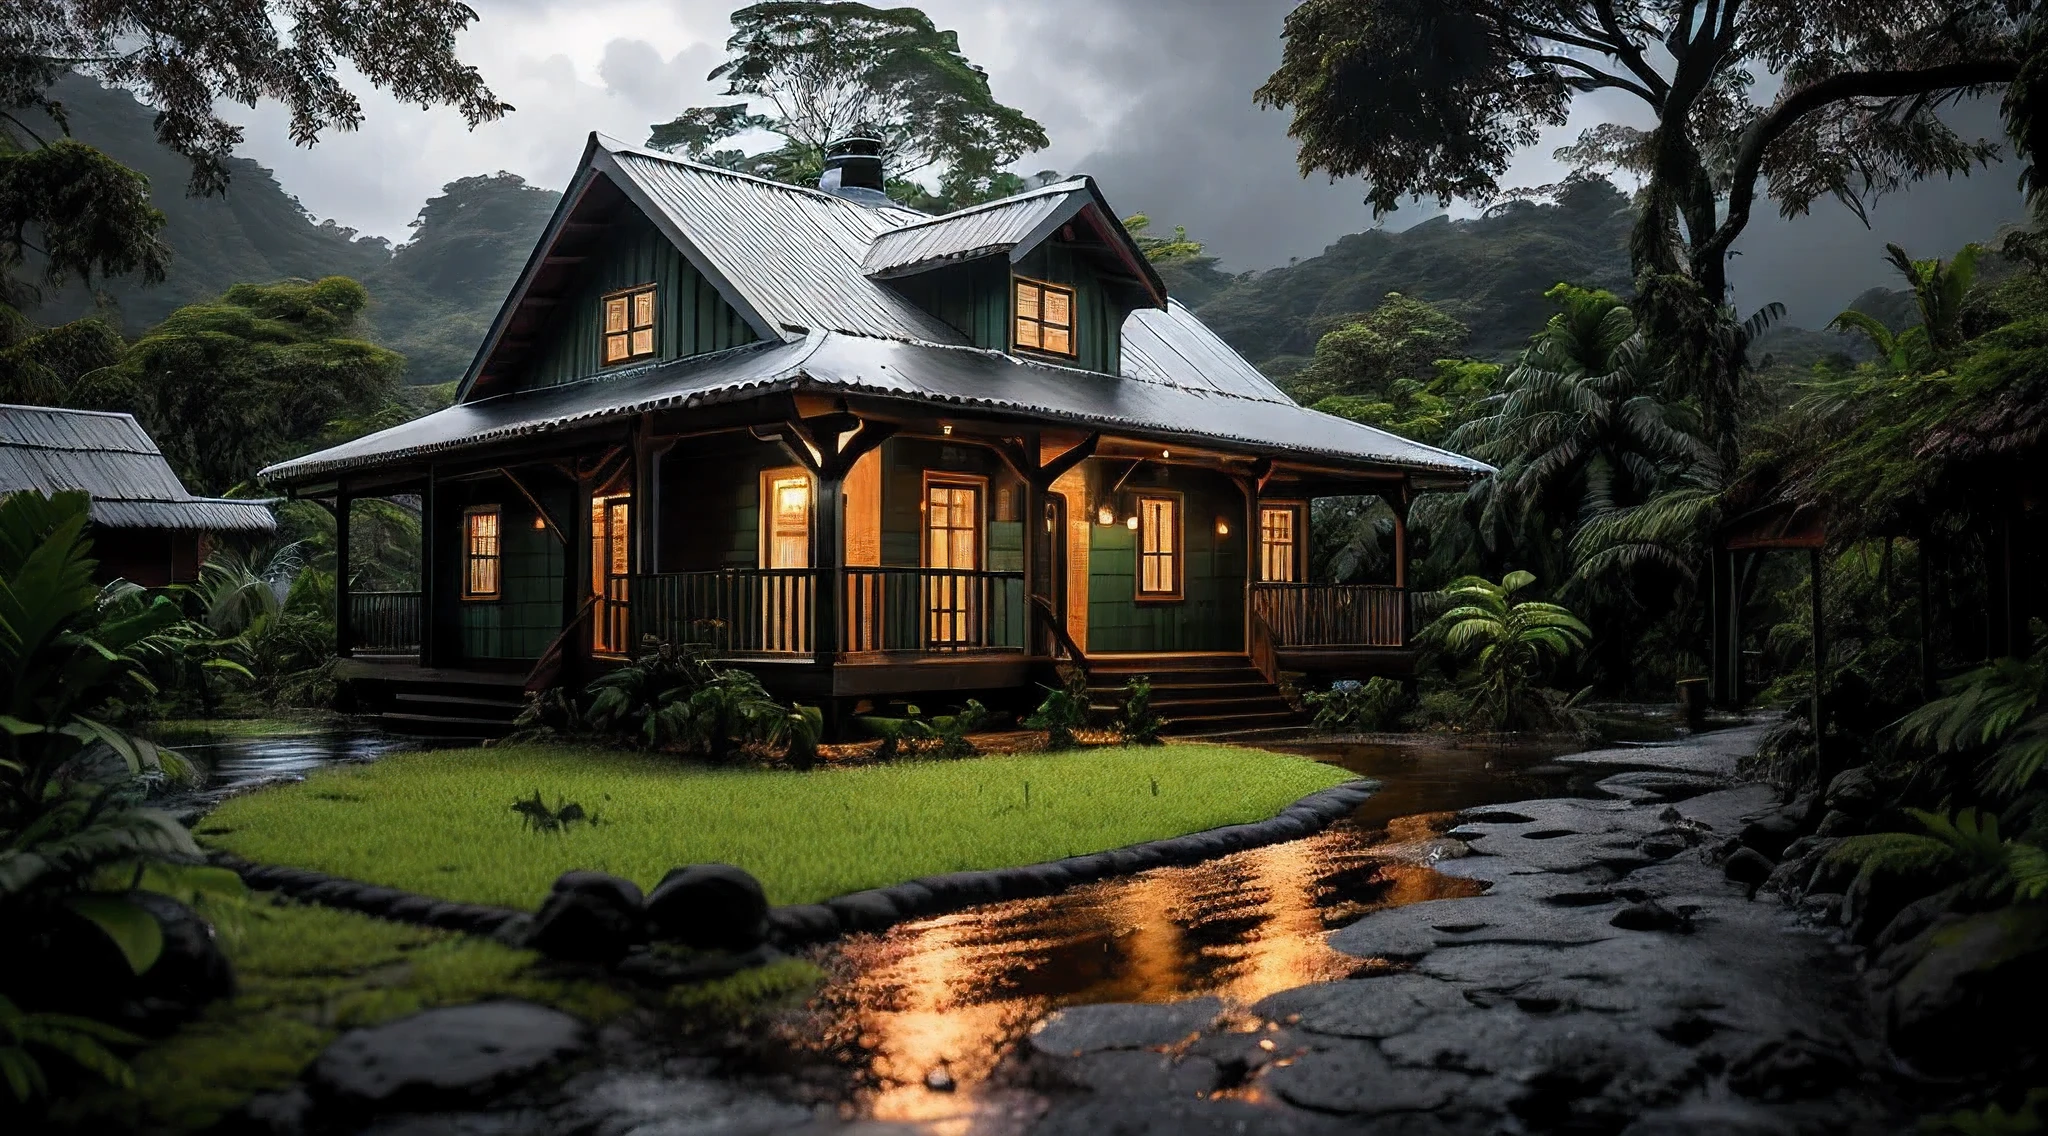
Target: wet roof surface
111,457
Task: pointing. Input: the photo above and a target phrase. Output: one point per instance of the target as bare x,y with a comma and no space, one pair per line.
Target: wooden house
146,527
872,454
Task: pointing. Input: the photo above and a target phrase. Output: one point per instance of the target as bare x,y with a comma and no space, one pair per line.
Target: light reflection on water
230,761
956,992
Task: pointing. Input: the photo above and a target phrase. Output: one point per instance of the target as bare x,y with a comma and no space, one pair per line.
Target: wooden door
611,566
785,544
953,542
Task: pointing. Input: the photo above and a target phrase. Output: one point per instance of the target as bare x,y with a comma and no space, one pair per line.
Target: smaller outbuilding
145,526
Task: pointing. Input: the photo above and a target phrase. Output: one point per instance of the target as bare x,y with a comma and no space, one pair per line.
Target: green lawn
186,731
441,822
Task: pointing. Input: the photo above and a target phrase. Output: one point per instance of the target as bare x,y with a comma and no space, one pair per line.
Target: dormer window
1045,317
629,325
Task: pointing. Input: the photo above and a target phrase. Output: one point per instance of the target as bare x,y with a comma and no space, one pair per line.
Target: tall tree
821,70
1432,98
230,386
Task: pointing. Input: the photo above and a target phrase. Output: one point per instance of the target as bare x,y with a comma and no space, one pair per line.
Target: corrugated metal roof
1159,403
794,255
111,457
998,226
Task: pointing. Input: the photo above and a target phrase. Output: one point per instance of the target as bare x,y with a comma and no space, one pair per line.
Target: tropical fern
81,1041
1999,711
1507,646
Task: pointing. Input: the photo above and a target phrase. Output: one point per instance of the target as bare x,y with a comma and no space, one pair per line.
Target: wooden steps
449,709
1197,694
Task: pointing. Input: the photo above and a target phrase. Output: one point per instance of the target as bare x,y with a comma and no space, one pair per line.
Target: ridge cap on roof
613,145
67,410
1070,185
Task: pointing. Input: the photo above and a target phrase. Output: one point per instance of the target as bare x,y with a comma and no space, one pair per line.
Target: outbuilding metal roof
1161,403
112,458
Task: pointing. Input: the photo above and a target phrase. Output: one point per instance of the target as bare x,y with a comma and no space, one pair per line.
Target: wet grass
441,823
186,731
306,974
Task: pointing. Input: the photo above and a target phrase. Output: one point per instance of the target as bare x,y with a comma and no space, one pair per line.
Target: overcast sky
1151,97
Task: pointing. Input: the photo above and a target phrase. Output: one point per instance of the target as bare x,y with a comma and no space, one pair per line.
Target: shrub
1352,707
1136,722
1506,648
914,734
670,698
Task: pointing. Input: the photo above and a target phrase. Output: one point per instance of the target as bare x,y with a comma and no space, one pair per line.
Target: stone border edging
878,908
870,910
371,899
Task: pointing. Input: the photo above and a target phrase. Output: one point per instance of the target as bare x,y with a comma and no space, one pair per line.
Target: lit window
1045,317
1159,541
481,553
629,325
1277,543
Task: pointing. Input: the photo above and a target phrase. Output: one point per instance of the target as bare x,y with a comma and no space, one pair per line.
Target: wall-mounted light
1222,527
1166,453
946,429
1131,522
540,524
1105,516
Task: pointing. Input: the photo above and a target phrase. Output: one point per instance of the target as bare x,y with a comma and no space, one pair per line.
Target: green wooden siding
527,615
904,463
710,501
1210,617
691,317
975,298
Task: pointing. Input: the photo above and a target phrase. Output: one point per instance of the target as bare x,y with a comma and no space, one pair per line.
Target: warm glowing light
1222,527
539,524
1131,522
946,428
1166,453
1105,516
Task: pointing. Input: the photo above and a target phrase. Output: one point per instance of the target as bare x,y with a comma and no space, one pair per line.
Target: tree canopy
1425,98
824,70
230,386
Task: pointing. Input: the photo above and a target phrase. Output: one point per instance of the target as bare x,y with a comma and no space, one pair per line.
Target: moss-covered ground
306,974
441,822
187,731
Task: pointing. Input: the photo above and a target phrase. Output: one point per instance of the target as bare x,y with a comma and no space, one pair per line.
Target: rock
709,906
803,922
1973,972
190,972
1138,1072
1355,1079
1085,1029
1791,1068
437,1058
1650,915
1881,890
1364,1007
1748,866
1838,823
1771,832
589,917
864,910
1853,791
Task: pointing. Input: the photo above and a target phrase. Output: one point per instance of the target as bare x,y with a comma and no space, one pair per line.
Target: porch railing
1332,615
386,623
754,611
933,610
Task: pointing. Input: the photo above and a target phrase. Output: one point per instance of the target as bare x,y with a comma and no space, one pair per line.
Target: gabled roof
111,457
1161,398
1013,225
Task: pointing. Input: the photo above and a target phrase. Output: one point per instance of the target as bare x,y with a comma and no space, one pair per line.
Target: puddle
956,992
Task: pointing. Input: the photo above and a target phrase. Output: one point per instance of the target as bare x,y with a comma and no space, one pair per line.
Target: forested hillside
1489,273
430,299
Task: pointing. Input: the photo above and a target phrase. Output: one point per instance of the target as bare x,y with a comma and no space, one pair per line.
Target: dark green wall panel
975,299
1210,617
691,317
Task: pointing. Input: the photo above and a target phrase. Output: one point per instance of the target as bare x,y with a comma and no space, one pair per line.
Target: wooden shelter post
1820,671
344,624
1399,501
1925,571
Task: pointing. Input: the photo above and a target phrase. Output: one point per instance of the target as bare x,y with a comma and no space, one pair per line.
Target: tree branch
1749,154
1630,55
1539,31
1596,77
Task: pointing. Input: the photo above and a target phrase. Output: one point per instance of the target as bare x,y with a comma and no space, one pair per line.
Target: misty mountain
431,298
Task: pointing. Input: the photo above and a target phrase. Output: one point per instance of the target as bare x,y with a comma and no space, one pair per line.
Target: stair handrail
549,664
1043,609
1259,648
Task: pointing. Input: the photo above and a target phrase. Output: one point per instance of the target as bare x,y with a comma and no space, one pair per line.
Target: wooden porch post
828,506
430,572
1400,505
344,629
639,542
